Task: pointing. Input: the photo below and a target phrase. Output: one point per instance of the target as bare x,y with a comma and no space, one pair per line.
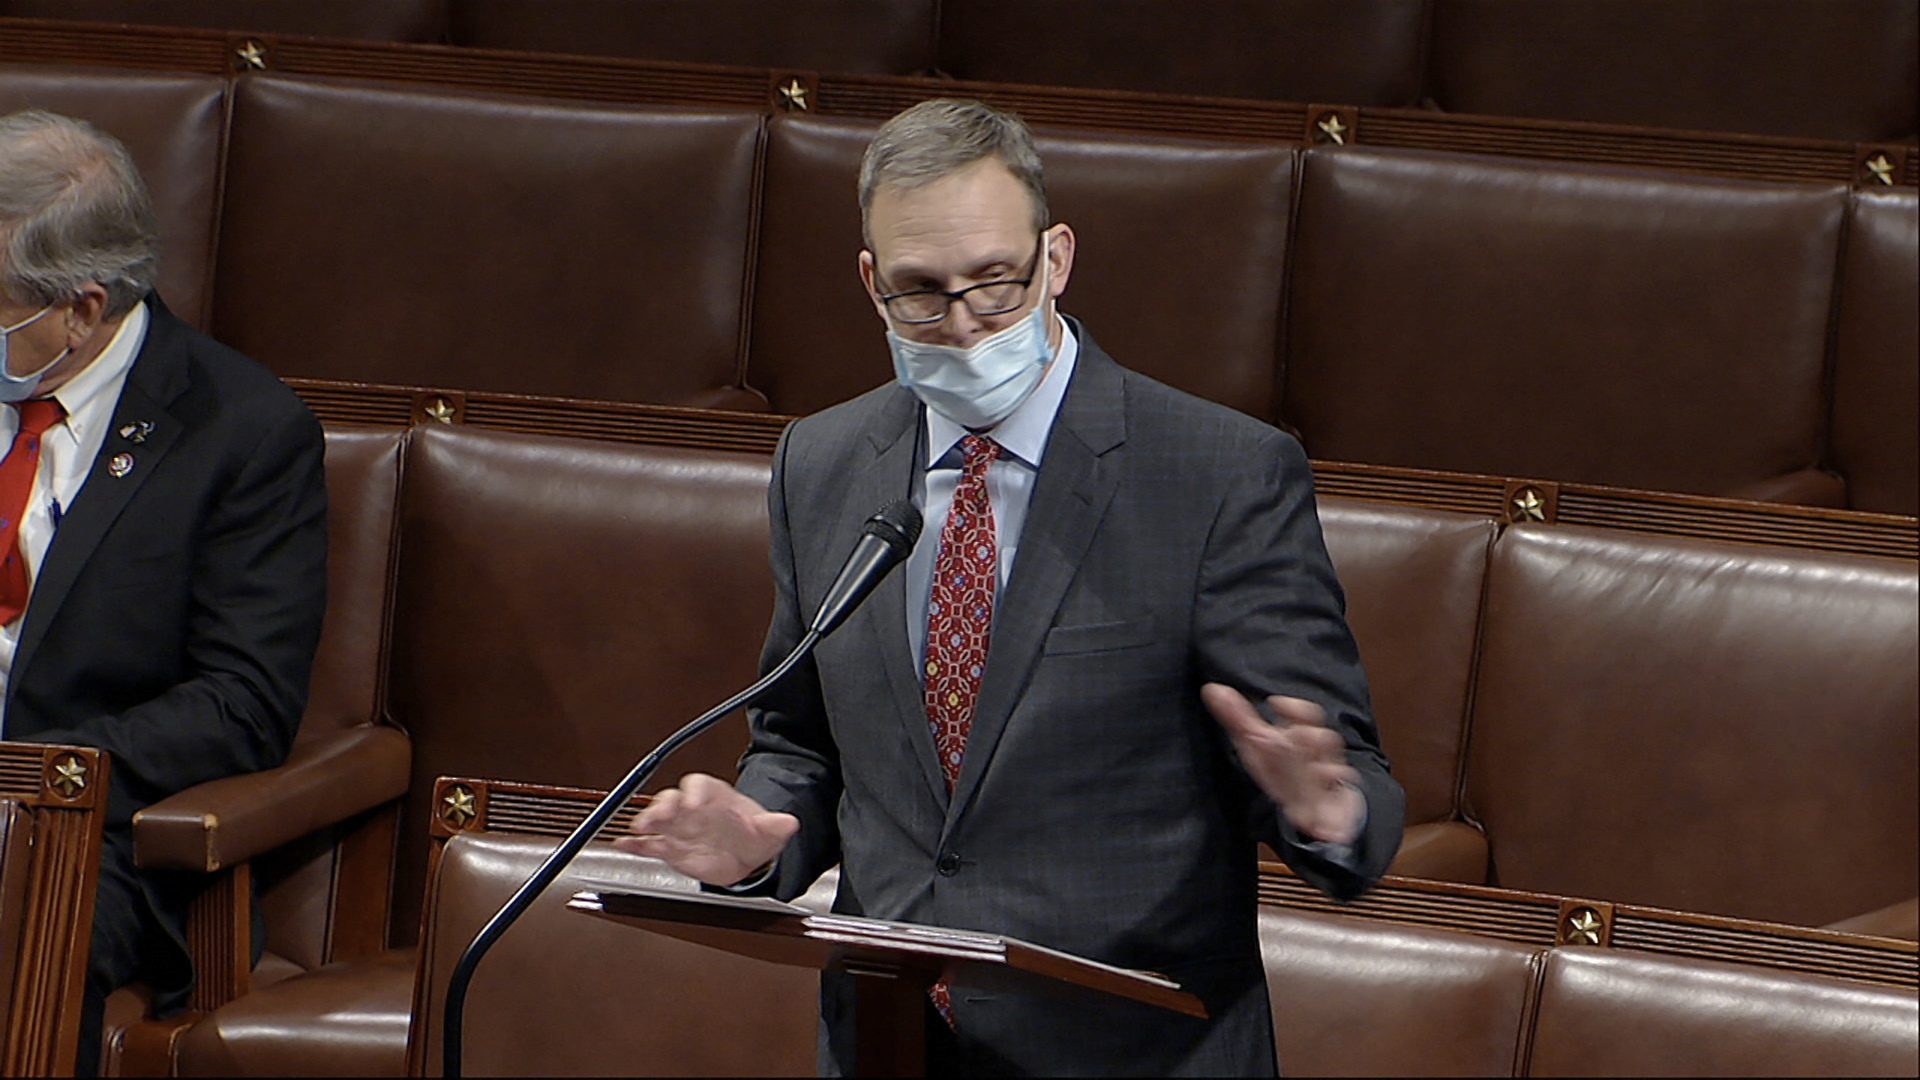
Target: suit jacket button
948,864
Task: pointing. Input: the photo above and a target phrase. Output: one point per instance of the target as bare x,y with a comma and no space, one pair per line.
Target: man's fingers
1295,710
775,826
1233,710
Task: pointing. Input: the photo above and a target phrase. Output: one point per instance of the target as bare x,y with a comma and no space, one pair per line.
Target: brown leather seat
1837,69
564,994
491,243
1565,323
1413,580
872,37
315,835
1182,244
382,20
1616,1013
1876,380
1359,52
172,123
1696,726
1355,998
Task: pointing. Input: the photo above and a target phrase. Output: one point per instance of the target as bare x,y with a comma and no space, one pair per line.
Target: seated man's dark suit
1100,809
175,615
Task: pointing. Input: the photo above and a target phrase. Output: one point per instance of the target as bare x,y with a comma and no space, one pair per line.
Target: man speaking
1046,726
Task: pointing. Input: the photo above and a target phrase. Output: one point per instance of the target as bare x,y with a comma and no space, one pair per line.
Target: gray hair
940,137
73,212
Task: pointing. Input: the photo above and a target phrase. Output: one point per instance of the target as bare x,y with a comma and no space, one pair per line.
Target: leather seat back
1358,998
1357,52
378,233
1413,580
1561,322
1181,247
380,20
846,37
1698,726
564,605
1610,1012
1838,69
567,994
172,124
1876,380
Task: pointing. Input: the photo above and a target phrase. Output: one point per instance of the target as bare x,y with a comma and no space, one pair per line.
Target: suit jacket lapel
1070,496
157,378
890,475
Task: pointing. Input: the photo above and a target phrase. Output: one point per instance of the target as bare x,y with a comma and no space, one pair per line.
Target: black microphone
885,541
887,538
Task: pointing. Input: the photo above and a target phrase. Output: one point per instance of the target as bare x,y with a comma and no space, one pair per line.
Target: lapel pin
137,431
121,465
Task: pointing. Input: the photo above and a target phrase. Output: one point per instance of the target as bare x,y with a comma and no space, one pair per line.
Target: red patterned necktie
17,474
959,619
960,608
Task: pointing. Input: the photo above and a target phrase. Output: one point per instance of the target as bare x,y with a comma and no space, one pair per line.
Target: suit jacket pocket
1099,637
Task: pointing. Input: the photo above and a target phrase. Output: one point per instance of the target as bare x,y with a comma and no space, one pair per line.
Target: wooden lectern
892,963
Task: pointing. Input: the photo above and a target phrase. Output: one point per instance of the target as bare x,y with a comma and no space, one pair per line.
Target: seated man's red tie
17,474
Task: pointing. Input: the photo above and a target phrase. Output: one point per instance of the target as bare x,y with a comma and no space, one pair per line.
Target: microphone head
897,525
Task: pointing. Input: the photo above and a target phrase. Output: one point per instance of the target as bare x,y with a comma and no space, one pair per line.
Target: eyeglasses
921,307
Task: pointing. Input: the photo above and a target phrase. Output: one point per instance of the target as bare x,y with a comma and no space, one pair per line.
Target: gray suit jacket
1100,809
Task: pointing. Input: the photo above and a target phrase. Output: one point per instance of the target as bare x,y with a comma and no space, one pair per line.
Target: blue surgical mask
979,385
15,388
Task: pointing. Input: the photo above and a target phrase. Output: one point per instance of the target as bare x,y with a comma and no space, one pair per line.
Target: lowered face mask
981,384
17,388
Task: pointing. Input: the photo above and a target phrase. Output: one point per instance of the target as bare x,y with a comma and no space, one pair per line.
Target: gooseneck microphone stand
550,869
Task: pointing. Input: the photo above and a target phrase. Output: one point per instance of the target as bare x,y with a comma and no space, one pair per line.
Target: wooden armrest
325,781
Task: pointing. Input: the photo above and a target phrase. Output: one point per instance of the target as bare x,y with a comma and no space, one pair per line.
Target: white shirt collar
1023,434
89,396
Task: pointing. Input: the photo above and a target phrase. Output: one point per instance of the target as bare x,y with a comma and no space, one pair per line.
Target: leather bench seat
1616,1013
379,20
1875,442
1698,726
345,1019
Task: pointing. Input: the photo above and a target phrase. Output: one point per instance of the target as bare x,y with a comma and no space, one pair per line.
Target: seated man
1041,726
162,524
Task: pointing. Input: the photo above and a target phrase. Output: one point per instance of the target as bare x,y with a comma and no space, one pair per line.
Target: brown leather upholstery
565,994
874,37
1182,245
1836,69
462,240
1413,580
1603,325
1698,726
1618,1013
172,124
345,1019
383,20
564,605
1876,379
1354,998
1358,52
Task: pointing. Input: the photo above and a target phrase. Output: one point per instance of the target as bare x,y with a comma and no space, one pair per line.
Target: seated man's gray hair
939,137
73,212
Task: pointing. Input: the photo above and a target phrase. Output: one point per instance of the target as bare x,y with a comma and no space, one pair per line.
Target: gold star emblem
69,776
441,409
793,95
1881,168
1583,927
1529,506
459,807
1333,129
252,56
